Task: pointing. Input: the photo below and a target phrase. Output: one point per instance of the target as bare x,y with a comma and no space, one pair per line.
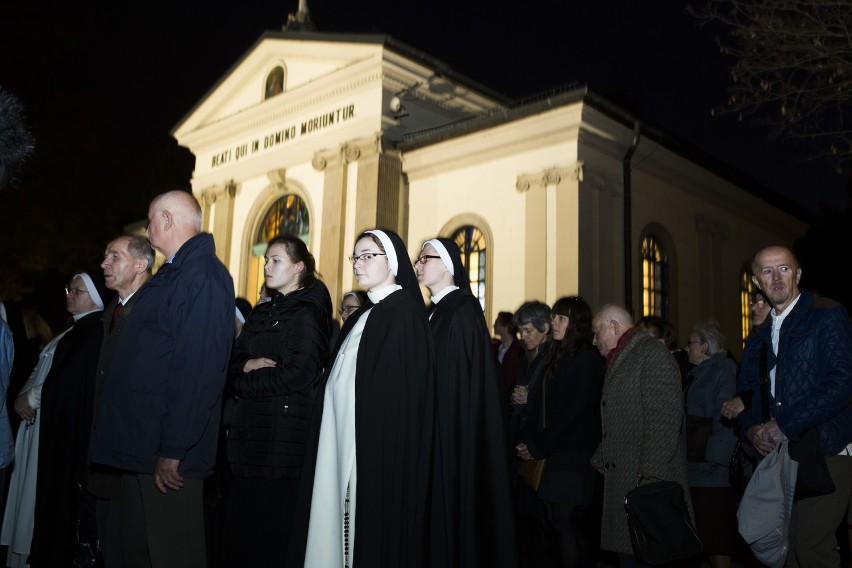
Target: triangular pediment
255,80
284,73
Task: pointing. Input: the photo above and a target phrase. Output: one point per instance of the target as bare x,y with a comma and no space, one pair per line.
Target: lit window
747,290
471,242
655,278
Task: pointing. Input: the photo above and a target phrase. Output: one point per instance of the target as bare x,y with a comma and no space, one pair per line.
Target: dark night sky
103,87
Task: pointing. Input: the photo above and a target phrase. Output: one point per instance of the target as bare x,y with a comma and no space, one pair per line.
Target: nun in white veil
365,482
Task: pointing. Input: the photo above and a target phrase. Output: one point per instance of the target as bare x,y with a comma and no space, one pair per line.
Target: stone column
217,207
711,234
551,254
334,227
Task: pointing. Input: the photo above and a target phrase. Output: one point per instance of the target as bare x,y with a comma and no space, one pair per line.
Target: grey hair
536,313
711,334
140,247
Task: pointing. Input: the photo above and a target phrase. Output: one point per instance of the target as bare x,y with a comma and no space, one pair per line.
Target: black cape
394,420
67,399
472,513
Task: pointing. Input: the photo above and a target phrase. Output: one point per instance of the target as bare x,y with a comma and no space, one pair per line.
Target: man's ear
756,282
141,265
167,219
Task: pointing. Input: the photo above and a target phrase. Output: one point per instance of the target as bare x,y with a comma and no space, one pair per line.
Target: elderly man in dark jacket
808,347
160,406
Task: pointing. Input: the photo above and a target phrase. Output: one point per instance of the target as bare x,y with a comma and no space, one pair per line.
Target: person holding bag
808,346
565,428
641,414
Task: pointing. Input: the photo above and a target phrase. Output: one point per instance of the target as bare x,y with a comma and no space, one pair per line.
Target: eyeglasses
366,257
697,342
75,291
423,259
347,309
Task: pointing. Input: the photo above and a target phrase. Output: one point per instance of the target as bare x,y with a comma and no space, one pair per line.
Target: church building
325,135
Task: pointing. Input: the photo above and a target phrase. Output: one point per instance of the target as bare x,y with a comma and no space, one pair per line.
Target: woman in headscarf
51,454
275,366
565,429
471,496
365,483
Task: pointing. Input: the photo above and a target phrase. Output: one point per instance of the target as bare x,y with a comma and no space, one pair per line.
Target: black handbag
659,523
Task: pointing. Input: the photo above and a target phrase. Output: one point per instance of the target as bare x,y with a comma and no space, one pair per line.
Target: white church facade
326,135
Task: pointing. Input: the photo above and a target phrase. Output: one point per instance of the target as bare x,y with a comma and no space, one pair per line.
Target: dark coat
163,388
269,425
104,482
572,427
65,424
472,503
813,379
394,420
510,361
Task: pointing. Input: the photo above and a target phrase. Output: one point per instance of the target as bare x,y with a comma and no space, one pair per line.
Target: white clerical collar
787,310
440,295
78,316
377,296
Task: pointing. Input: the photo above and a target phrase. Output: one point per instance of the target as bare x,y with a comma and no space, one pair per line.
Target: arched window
471,242
289,215
274,83
747,291
745,302
655,278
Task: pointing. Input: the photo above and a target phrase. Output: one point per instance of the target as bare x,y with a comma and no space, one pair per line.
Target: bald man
807,344
641,413
160,405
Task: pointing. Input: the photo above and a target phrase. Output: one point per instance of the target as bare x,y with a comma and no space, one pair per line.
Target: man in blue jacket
159,412
808,345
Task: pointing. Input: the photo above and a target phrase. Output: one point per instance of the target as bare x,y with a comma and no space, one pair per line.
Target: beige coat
641,412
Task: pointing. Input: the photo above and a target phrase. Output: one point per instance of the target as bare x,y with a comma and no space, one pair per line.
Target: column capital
711,227
550,176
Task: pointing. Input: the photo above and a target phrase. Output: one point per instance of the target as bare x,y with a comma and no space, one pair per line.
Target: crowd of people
404,436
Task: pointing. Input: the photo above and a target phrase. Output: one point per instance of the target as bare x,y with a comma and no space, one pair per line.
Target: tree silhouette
792,68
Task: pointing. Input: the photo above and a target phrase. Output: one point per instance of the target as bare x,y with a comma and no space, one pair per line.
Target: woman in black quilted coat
275,365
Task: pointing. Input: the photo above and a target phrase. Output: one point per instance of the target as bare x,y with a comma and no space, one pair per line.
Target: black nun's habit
472,514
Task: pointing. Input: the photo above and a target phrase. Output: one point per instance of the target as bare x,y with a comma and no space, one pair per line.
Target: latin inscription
282,136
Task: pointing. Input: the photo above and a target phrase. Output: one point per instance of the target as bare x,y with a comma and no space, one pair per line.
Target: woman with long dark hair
276,363
565,427
363,499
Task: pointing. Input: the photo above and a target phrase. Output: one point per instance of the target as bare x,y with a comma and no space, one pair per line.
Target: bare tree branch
792,67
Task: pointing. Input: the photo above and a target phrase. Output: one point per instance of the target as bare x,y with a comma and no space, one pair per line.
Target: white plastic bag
767,506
